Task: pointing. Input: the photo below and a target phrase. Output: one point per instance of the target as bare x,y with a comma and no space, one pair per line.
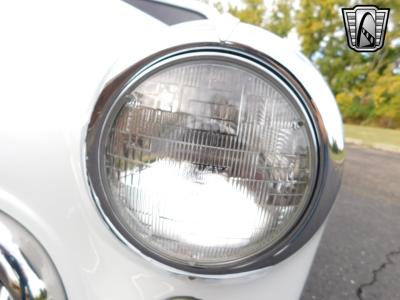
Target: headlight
204,160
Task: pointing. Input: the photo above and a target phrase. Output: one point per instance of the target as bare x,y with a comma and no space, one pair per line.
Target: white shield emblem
365,27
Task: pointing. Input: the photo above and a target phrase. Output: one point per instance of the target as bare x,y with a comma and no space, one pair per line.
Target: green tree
365,84
281,20
252,13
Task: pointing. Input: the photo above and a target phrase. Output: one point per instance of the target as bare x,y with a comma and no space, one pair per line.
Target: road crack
375,272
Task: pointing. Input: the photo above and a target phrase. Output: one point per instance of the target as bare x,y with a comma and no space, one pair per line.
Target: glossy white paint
56,57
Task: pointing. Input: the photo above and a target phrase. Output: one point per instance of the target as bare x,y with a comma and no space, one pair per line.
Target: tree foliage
366,85
252,13
281,20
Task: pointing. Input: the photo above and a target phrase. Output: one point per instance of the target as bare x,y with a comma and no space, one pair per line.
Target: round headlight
204,160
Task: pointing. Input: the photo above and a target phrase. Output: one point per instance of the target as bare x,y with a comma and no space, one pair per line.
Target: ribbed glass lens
208,162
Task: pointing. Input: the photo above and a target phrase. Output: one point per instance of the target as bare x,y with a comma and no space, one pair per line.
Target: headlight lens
207,161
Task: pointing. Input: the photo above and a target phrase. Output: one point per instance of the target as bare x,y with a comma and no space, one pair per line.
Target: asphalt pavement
359,254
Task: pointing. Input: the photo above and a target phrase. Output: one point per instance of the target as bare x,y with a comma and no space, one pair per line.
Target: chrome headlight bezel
312,216
26,269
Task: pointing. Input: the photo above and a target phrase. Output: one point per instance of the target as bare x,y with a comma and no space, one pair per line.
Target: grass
380,138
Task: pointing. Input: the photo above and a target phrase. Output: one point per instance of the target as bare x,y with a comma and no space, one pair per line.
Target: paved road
359,255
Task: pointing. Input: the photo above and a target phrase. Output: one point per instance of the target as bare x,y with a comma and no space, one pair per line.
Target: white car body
56,57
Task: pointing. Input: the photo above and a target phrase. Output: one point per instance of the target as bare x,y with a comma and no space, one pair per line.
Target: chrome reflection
26,271
4,294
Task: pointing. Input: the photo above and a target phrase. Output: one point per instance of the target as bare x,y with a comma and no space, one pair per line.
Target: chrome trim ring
319,204
26,270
